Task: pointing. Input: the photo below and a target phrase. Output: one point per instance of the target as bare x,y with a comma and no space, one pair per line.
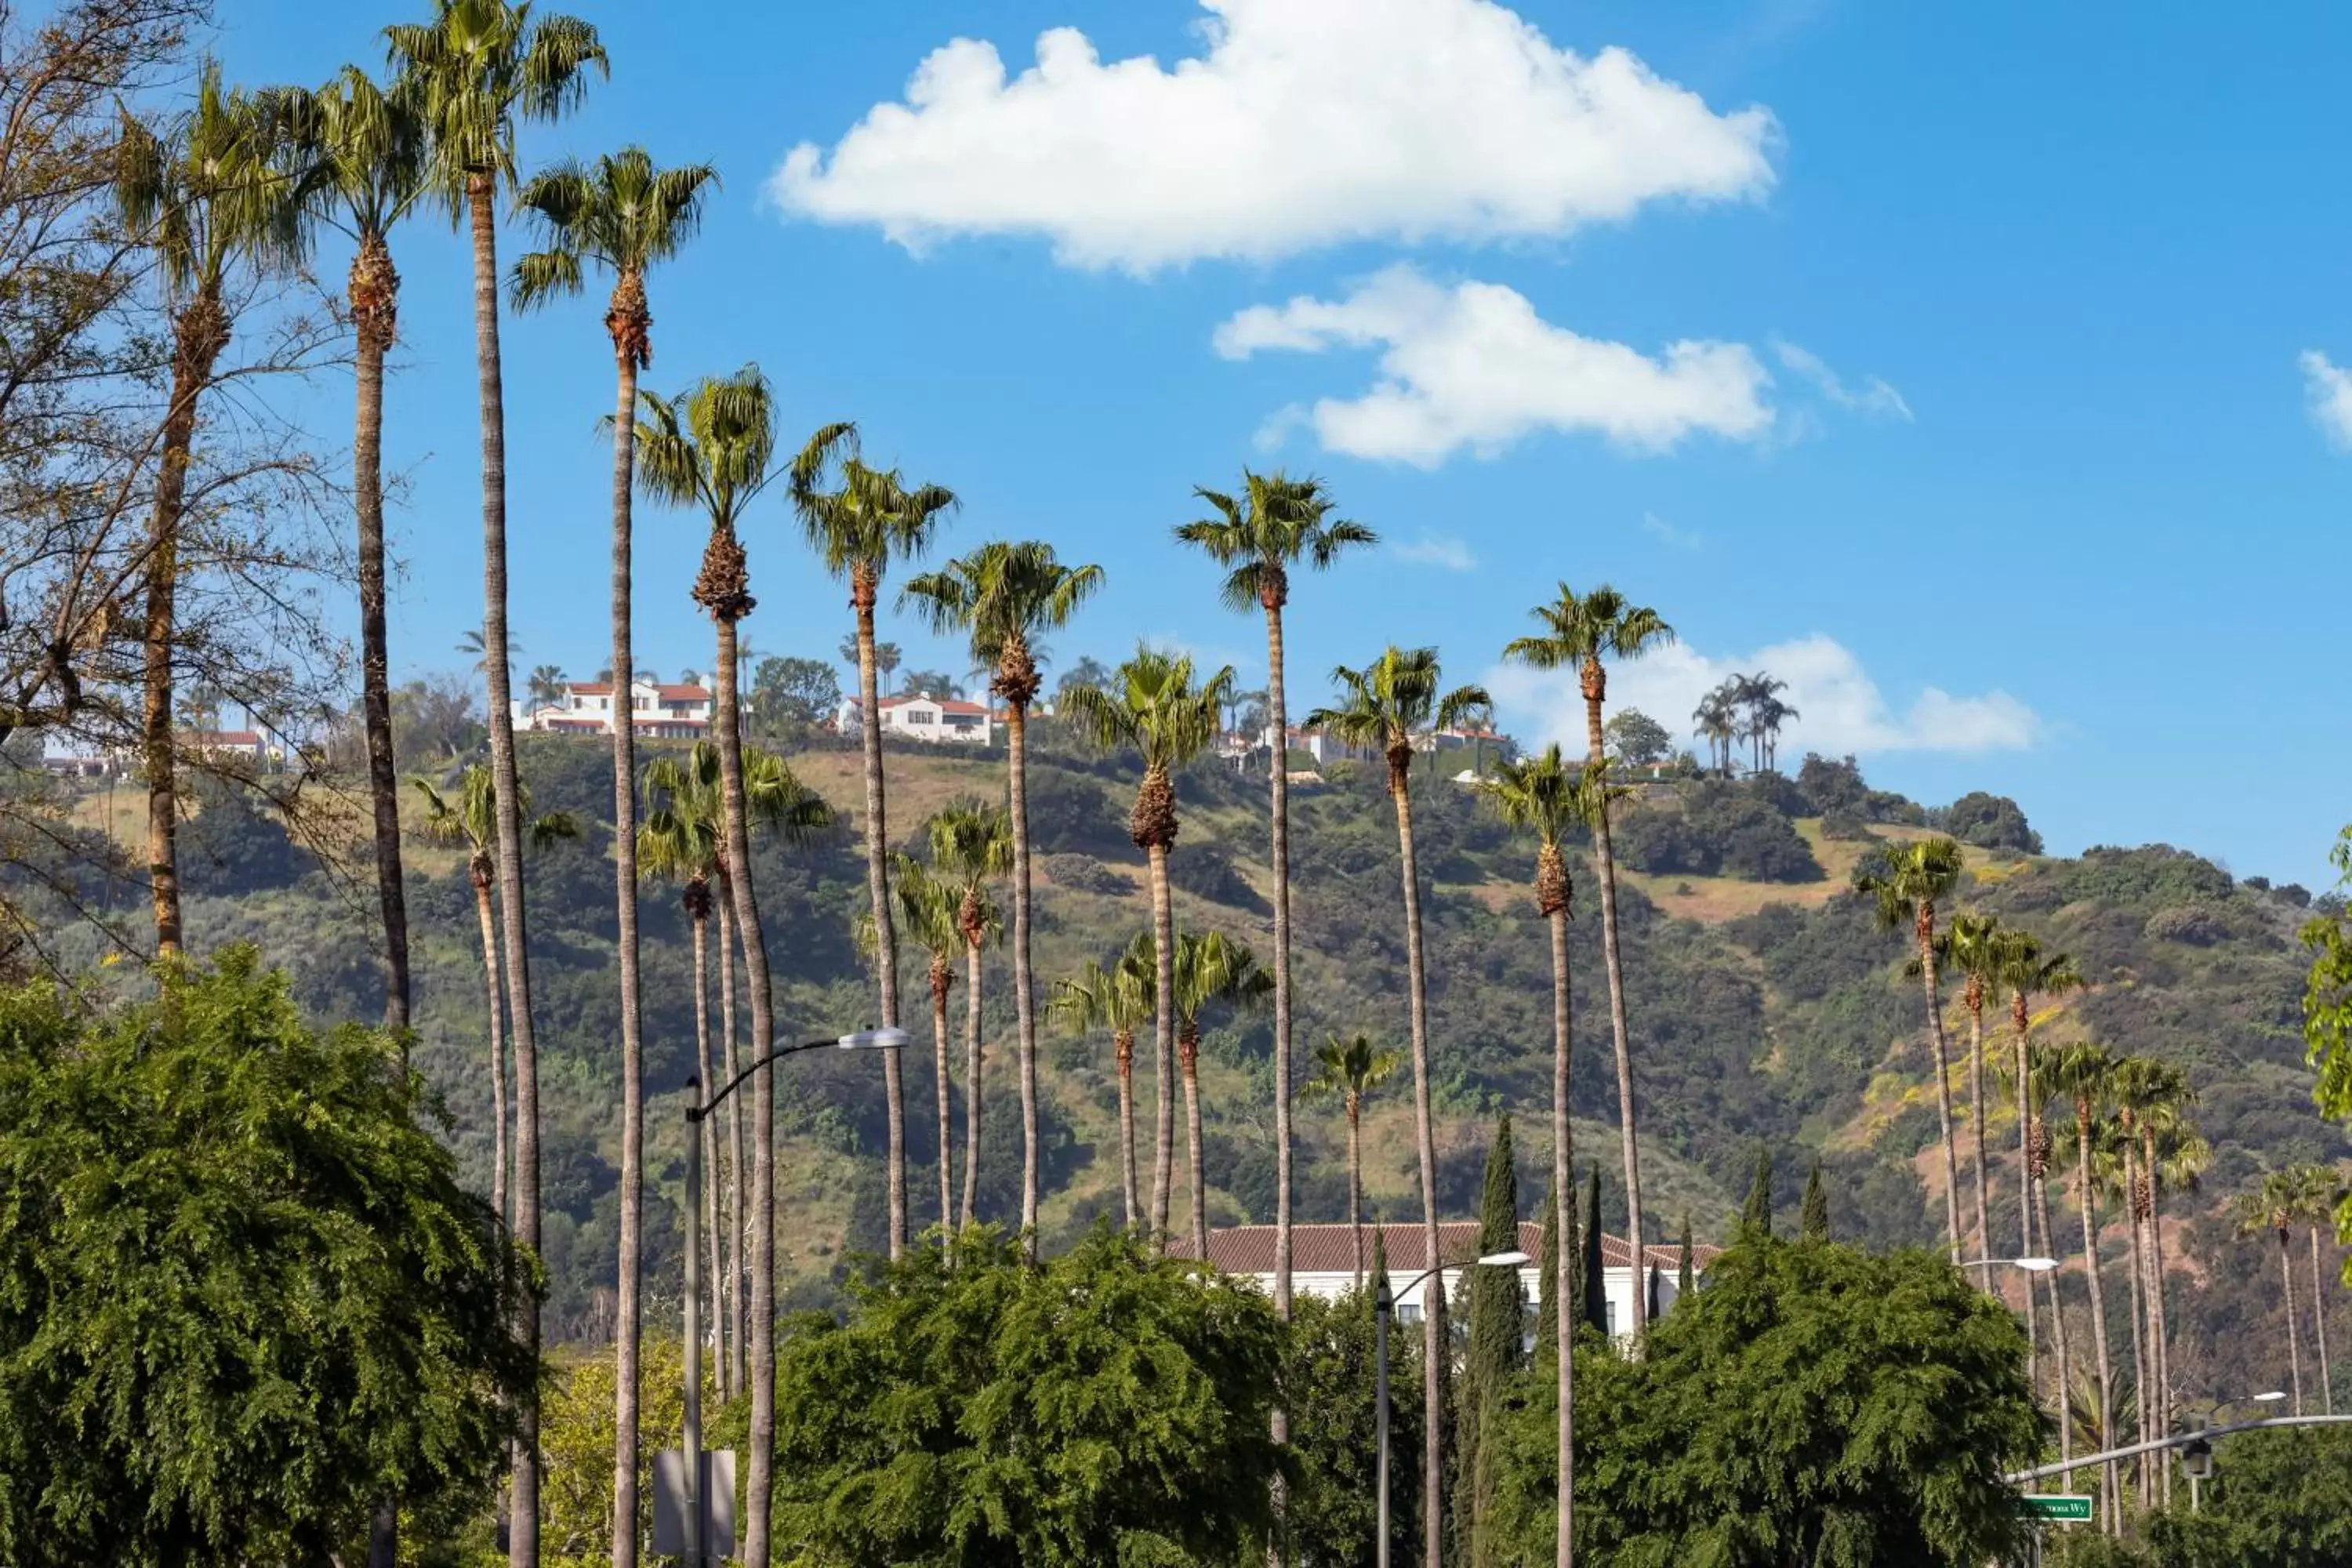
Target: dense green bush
1720,829
1991,822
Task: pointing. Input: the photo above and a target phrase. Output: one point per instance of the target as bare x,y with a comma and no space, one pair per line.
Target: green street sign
2059,1509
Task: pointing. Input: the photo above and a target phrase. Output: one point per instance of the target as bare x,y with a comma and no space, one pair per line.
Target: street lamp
2030,1264
1383,1304
888,1039
2197,1457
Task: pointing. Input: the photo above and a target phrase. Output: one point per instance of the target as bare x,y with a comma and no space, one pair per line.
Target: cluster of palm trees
2308,1197
1743,708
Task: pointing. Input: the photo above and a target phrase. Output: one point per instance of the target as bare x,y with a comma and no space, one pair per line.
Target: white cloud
1474,367
1874,397
1436,550
1304,123
2329,391
1840,709
1666,533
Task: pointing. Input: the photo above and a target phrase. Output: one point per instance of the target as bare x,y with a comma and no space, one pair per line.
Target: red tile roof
682,693
589,688
1330,1249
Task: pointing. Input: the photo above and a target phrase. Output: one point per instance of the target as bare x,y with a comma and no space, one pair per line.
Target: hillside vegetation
1767,1006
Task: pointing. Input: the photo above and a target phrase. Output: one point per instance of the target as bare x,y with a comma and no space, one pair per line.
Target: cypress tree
1596,1280
1682,1281
1815,1225
1757,1217
1547,1299
1572,1237
1497,1320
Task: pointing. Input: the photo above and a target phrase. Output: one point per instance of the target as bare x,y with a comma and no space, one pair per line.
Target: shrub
1085,874
1991,822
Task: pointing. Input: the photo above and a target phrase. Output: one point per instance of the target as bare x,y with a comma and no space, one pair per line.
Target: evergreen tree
1547,1301
1497,1317
1682,1281
1596,1281
1572,1238
1757,1217
1815,1225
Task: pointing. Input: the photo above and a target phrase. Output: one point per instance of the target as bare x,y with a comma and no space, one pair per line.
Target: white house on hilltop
1323,1263
936,721
587,707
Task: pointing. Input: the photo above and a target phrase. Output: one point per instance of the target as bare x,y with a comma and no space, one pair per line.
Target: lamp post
2030,1264
1384,1303
697,1112
2196,1459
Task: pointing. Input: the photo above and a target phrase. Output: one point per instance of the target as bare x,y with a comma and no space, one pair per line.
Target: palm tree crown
470,819
1349,1067
212,188
1003,594
868,516
1543,795
477,68
1394,700
1156,706
361,150
684,835
1913,879
1582,630
622,213
1274,522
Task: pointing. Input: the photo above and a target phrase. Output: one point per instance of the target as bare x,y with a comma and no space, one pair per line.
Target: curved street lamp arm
2177,1440
697,1112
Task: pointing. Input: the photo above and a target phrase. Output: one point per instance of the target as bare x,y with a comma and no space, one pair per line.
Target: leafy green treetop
1815,1223
1756,1219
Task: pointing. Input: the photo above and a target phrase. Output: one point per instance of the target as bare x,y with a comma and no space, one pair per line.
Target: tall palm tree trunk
2294,1348
942,974
1929,984
738,1216
1563,1186
626,1380
2319,1327
1188,1057
1432,1339
862,590
2025,1216
1278,789
1356,1181
2086,1201
764,1111
523,1532
373,293
499,1158
1124,1042
703,1066
2057,1323
973,1098
1025,1014
2142,1382
1612,962
1163,1036
199,333
1976,1125
2158,1318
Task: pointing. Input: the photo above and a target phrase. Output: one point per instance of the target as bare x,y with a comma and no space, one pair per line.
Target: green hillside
1762,1010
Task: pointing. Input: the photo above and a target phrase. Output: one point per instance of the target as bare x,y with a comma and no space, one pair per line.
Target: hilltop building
935,721
658,711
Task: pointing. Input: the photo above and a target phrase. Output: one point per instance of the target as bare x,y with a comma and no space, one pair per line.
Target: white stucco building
586,706
937,721
1323,1263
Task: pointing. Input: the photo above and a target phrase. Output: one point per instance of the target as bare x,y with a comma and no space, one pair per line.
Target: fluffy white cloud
2329,391
1840,708
1304,123
1874,397
1436,550
1474,367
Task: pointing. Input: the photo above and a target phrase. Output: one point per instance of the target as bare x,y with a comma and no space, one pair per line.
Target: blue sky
1973,369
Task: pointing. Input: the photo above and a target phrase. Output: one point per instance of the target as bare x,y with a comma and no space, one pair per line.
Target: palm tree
469,819
870,518
1120,999
1972,946
546,685
2176,1155
2084,1073
711,448
1003,597
2275,1206
684,838
1541,795
623,214
1155,706
2025,971
1388,704
477,68
2151,1098
1581,633
208,196
1211,968
928,906
359,153
1908,884
1716,719
2319,1191
1274,524
971,845
1350,1070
